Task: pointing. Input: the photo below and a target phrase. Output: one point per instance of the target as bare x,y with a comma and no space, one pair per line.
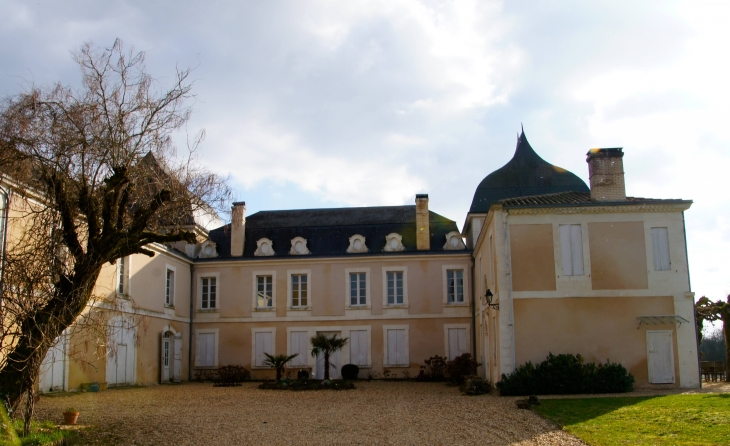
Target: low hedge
565,375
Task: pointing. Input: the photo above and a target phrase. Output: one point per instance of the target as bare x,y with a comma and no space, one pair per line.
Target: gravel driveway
374,413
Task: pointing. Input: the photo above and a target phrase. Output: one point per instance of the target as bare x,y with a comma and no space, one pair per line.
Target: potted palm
278,363
327,346
70,415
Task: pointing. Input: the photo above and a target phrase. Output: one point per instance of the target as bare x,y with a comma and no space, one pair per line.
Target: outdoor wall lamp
488,295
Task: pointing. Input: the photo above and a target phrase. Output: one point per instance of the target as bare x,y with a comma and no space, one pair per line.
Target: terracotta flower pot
70,417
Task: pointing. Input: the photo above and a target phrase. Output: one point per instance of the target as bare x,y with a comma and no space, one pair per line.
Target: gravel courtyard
374,413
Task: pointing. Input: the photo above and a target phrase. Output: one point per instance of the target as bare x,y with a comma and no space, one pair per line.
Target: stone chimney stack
238,228
606,174
423,232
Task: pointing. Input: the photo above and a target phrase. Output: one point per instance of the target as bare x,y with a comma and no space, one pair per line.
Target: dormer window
264,248
357,245
454,242
393,243
299,246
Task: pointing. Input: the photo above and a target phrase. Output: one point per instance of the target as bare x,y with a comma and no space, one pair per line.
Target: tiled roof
580,199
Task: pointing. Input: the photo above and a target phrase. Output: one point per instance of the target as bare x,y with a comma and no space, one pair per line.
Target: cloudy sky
347,103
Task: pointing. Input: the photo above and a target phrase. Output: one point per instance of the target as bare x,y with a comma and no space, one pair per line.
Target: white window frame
655,248
126,281
446,337
464,271
271,330
217,278
406,341
392,269
573,263
254,292
349,271
199,331
171,303
290,289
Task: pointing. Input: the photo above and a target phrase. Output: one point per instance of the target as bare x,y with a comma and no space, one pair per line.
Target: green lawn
665,420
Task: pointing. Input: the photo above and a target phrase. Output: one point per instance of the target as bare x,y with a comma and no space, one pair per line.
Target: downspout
190,326
694,309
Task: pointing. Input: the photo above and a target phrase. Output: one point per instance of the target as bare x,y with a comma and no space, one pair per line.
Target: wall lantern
488,295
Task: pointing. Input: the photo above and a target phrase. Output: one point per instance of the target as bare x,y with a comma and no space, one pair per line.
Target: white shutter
565,250
660,352
392,348
202,345
177,359
210,349
263,345
401,347
660,242
358,347
457,342
576,249
298,345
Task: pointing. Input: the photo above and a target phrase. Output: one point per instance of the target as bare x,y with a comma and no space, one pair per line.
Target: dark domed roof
524,175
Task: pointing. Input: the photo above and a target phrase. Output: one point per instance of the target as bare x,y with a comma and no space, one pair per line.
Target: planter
70,417
92,387
102,386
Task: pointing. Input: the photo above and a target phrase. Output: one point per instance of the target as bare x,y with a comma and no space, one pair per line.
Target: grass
666,420
41,433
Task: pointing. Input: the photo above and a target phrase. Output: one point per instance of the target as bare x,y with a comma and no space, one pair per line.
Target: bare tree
708,310
98,178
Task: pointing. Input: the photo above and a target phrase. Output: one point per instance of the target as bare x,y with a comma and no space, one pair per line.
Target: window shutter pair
359,347
571,248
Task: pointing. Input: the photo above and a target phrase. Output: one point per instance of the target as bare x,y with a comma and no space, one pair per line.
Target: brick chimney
423,232
238,228
606,174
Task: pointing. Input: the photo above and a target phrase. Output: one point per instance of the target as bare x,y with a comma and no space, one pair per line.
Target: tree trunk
326,365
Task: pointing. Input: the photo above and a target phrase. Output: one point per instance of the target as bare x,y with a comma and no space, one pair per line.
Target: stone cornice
634,208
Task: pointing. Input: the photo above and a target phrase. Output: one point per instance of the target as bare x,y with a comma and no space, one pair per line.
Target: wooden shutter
576,249
202,346
177,359
457,342
298,344
660,357
401,347
358,347
565,250
660,243
263,345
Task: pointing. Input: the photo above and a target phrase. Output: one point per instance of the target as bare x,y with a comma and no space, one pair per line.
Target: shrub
435,368
231,375
475,385
566,374
350,372
461,367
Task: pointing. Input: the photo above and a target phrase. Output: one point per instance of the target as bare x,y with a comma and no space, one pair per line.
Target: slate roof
580,199
328,230
526,174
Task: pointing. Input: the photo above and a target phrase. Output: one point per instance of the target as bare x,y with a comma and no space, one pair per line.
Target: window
299,345
571,247
456,342
123,276
206,356
358,288
660,243
455,286
299,289
170,287
359,347
208,293
396,352
166,350
395,287
263,343
264,292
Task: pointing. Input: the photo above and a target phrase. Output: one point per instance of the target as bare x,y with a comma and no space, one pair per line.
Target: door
121,364
52,372
165,366
334,362
177,358
457,342
660,356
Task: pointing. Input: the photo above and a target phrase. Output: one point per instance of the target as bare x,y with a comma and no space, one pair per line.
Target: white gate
121,353
660,356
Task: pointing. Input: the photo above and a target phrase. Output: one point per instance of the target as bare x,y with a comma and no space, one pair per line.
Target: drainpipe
190,326
694,311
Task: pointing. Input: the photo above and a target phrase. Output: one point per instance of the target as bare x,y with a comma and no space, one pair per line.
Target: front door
660,356
165,358
121,364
